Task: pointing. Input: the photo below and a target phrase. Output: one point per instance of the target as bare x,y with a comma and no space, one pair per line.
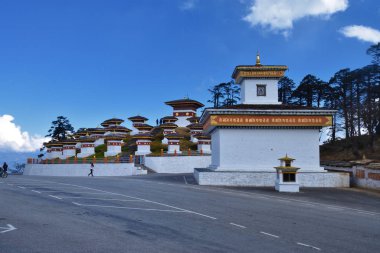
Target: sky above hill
91,60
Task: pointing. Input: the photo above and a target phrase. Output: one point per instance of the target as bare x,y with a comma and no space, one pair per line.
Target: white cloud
279,15
363,33
188,5
13,139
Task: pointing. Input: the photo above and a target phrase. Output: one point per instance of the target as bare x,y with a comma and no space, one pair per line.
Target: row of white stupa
112,134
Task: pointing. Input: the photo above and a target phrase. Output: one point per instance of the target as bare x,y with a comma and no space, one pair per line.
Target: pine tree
286,87
61,129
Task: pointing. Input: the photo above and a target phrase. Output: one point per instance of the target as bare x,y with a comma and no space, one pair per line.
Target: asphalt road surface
163,213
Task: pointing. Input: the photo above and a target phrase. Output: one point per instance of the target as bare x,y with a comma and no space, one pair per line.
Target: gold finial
258,58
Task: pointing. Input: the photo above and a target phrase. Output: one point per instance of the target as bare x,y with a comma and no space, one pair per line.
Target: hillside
343,150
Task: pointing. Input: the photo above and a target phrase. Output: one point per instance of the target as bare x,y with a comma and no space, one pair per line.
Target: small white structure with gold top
69,149
168,126
113,143
143,128
195,128
286,177
173,143
98,134
204,143
184,109
55,150
143,141
136,120
47,145
87,147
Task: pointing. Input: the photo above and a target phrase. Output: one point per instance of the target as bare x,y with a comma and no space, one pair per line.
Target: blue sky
93,60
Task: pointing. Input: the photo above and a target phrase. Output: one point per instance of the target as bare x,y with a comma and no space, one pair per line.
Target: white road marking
103,199
150,201
88,193
54,197
237,225
184,178
21,187
307,245
36,191
133,208
64,192
265,233
367,213
8,228
335,208
272,197
53,187
48,191
246,194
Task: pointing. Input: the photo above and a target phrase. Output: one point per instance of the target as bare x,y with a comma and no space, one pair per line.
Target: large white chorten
250,137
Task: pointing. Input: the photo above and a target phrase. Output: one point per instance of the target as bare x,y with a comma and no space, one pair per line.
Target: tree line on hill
355,94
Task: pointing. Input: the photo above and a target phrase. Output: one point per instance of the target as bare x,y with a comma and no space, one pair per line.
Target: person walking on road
91,170
5,170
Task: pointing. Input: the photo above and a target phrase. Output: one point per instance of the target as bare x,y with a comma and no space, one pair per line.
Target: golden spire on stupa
258,59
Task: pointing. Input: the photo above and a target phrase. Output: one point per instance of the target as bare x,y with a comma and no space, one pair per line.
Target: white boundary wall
176,164
361,176
247,178
81,170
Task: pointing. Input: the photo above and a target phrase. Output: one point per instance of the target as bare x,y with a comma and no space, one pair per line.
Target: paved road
158,213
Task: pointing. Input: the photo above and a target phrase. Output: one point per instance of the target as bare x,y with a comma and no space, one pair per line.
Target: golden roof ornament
258,59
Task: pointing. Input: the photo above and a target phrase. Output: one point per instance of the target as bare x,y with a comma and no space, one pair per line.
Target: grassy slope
342,150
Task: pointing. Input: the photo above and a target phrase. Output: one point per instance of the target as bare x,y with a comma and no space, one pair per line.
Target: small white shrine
136,120
184,109
87,147
112,122
195,130
69,149
143,128
81,133
204,144
116,130
173,143
56,150
286,177
167,128
98,135
113,143
47,145
143,142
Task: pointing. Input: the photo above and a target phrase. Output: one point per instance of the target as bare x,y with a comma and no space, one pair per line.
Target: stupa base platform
267,179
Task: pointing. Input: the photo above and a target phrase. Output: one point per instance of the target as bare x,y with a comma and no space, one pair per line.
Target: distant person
4,170
156,122
5,167
91,170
